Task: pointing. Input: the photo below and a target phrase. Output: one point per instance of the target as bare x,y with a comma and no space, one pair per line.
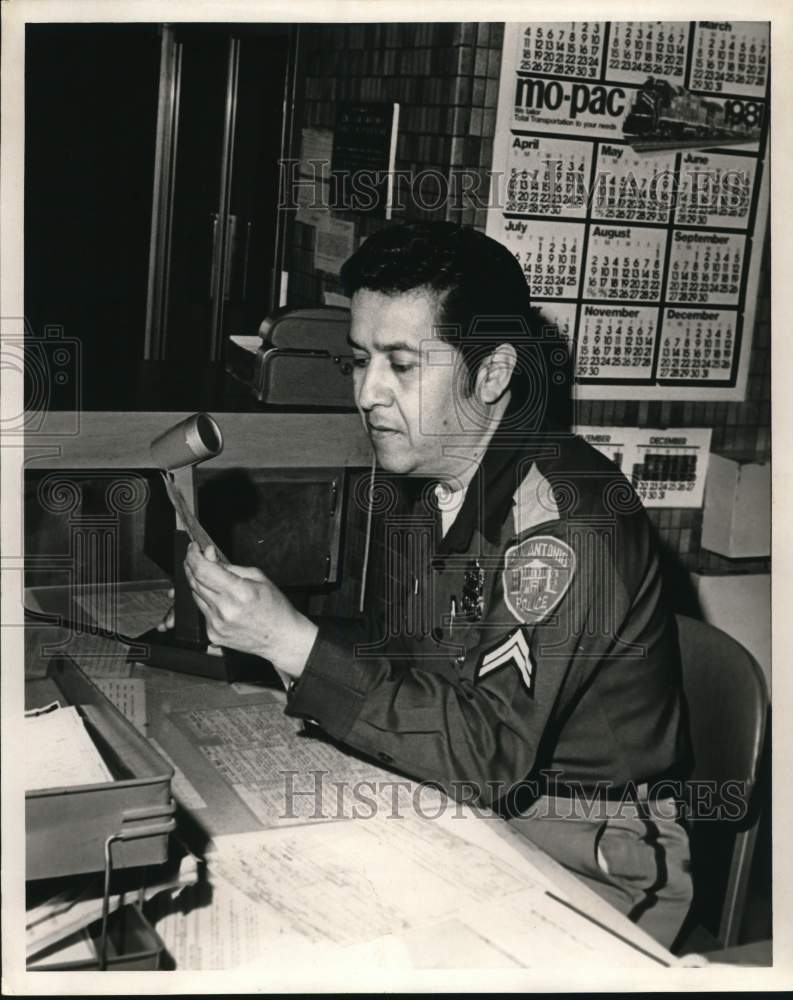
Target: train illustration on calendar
665,116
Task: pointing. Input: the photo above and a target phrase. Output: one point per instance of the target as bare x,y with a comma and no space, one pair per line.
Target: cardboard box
740,605
736,520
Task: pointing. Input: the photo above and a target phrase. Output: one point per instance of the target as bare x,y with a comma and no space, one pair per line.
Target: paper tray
67,828
132,945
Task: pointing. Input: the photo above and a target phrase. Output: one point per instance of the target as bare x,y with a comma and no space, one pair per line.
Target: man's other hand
244,610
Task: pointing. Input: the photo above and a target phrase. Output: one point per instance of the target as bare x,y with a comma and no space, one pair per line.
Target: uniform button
437,634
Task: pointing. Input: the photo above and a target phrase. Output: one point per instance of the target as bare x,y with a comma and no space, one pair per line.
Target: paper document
77,948
283,777
217,927
129,697
96,655
192,525
349,882
79,905
397,889
60,753
128,612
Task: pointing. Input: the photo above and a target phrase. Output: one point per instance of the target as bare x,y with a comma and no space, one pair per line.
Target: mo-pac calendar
629,180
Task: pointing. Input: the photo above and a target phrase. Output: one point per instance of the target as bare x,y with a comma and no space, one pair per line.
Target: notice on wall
312,188
667,468
629,180
364,146
334,243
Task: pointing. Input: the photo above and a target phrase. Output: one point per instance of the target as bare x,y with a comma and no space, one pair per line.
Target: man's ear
494,373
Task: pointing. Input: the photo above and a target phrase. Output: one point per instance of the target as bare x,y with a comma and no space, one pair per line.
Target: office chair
728,705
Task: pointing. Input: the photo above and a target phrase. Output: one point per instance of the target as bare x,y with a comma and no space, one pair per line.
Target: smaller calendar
548,176
568,48
549,253
624,263
697,345
610,441
731,57
715,189
705,268
638,49
630,187
667,468
616,342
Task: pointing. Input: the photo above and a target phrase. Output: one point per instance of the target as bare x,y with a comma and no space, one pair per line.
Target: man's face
405,381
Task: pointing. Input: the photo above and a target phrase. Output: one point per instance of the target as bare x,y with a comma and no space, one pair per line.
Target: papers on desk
282,778
96,655
397,890
59,752
62,916
130,612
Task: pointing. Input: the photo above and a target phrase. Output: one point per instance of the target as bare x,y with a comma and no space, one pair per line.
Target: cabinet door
222,226
252,285
198,161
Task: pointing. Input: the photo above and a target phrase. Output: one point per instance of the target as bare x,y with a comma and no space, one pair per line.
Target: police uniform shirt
531,636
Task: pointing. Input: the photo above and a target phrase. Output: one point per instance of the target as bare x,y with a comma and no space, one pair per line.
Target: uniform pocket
628,851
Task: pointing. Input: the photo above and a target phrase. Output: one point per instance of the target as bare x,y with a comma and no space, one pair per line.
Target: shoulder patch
511,651
537,574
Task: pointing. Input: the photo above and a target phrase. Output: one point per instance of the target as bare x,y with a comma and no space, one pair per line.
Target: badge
537,574
473,600
512,651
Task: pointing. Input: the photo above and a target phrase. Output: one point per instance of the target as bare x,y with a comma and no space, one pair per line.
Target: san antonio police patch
537,574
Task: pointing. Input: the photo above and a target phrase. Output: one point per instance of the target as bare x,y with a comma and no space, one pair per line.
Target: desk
353,869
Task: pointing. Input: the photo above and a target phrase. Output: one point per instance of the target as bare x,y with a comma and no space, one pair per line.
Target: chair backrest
305,359
727,701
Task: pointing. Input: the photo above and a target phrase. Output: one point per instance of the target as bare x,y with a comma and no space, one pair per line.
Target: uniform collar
492,488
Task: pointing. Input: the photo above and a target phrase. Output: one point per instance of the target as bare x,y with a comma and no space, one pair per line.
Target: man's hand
169,621
245,611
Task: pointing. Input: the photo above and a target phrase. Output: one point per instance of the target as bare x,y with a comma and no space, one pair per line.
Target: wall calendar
629,180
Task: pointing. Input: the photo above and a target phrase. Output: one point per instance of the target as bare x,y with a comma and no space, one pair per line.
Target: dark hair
482,300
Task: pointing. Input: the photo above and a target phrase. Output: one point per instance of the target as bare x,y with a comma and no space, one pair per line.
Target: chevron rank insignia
514,650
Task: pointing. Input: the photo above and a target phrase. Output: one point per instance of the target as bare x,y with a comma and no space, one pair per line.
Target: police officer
520,653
